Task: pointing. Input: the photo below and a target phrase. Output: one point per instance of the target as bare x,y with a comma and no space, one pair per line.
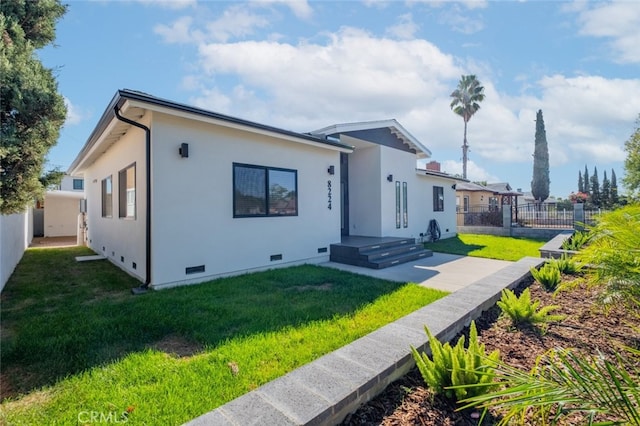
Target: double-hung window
127,192
107,197
264,191
438,199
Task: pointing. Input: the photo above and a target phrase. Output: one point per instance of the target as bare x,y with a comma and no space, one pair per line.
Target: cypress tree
605,194
595,188
586,180
580,183
614,188
540,182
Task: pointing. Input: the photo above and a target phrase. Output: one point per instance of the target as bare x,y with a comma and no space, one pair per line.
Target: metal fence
537,216
481,216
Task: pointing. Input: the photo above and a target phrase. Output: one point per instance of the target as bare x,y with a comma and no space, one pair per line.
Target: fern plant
452,370
522,311
578,240
548,276
566,265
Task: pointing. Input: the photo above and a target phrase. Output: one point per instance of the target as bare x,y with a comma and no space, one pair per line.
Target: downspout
144,287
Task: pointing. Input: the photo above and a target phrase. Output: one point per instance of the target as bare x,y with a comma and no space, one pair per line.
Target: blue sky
304,65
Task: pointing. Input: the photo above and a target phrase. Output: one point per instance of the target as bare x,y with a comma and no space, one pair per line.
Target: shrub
456,366
578,240
613,256
566,265
521,310
548,276
565,383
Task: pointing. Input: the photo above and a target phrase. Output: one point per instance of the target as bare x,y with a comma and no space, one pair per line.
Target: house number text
329,194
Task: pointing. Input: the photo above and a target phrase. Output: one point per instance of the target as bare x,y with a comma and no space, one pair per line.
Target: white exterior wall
16,232
193,221
121,240
61,214
372,197
447,218
365,191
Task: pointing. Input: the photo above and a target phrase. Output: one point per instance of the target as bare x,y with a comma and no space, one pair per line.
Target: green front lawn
488,246
76,343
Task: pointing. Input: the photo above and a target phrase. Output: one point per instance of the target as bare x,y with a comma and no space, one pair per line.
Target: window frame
438,203
79,187
107,196
267,194
123,193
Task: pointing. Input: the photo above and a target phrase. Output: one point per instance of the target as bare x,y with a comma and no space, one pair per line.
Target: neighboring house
475,198
57,214
177,194
527,199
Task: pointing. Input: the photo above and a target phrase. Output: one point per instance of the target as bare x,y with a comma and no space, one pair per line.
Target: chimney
434,166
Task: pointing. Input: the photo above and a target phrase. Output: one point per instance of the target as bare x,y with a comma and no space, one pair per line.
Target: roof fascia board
92,145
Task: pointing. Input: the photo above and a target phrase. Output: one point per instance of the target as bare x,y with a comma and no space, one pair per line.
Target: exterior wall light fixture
184,150
390,178
331,170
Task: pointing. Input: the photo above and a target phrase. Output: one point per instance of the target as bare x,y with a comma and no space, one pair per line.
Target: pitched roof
392,125
143,101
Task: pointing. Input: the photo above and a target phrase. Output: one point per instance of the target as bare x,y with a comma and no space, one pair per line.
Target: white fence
16,233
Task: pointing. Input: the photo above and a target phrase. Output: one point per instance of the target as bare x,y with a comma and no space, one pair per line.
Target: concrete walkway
441,271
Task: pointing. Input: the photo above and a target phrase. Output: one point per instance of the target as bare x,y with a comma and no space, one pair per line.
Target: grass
75,342
488,246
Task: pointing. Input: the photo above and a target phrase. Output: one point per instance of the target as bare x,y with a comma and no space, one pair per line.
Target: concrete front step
378,253
326,390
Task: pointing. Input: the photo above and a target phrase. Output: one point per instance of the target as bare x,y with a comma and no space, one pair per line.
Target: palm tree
466,101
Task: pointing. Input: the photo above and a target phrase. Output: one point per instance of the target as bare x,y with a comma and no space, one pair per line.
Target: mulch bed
587,328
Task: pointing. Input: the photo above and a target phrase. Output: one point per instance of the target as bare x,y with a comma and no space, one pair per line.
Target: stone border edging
552,249
326,390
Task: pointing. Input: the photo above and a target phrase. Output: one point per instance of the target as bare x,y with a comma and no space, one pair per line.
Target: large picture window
127,192
107,197
438,199
264,191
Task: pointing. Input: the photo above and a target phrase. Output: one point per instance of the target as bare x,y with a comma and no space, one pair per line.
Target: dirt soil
587,328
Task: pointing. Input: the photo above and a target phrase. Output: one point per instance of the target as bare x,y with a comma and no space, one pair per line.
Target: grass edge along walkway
150,386
488,246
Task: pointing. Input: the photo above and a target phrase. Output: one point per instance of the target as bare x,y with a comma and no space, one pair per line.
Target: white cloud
179,31
405,29
475,173
461,21
354,76
300,8
236,21
617,21
74,115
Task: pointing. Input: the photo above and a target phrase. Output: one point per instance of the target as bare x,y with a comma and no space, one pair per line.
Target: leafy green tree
595,188
540,182
31,109
580,182
465,103
605,194
614,188
631,178
586,180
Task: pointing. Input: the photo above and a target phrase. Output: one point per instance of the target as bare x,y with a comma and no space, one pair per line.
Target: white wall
193,221
16,232
61,213
121,240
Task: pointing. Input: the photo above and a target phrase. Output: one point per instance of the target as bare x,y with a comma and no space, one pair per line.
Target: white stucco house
178,194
